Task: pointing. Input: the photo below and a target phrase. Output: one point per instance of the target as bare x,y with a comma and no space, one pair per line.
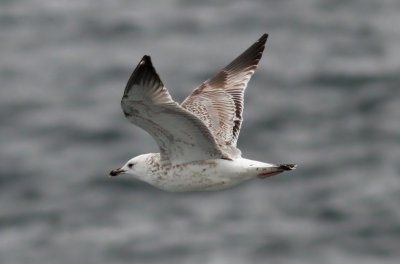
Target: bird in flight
197,139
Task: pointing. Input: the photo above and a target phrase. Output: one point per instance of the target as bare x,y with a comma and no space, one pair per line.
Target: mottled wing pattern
180,135
218,102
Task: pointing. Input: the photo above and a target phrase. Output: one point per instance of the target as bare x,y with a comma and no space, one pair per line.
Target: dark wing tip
260,43
144,73
249,59
144,62
146,59
263,38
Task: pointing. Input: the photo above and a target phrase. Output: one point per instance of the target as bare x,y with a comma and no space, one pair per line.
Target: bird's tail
276,170
286,167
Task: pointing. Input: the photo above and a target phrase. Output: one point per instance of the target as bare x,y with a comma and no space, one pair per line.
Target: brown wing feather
180,135
219,100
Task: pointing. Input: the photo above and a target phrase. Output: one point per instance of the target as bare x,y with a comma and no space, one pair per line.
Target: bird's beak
116,172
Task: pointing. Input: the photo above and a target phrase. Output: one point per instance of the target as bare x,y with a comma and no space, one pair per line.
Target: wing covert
180,135
218,102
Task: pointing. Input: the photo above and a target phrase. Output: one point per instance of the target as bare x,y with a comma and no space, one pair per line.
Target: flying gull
197,139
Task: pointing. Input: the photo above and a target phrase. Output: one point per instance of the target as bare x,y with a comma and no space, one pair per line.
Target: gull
197,139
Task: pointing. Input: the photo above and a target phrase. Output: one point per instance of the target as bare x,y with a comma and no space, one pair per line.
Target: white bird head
135,166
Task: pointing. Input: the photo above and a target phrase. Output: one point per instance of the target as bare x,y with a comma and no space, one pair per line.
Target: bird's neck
149,164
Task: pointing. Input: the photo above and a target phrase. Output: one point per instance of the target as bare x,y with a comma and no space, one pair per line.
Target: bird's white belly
206,175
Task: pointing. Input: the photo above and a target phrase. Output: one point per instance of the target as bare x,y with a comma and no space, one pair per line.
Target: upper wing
219,100
180,135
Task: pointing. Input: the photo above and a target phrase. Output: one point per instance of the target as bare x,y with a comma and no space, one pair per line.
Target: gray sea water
326,96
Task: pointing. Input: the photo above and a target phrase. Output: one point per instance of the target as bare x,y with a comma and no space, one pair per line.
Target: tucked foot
268,174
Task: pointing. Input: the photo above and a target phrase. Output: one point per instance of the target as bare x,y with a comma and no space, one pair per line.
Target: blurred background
325,96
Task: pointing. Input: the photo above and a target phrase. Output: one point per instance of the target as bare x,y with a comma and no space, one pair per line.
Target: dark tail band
287,167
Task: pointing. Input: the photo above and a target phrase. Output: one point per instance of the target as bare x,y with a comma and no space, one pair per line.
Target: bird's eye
130,165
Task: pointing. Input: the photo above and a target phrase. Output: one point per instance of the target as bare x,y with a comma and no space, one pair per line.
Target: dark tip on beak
116,172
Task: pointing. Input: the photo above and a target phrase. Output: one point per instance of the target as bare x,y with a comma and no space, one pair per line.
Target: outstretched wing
180,135
218,102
